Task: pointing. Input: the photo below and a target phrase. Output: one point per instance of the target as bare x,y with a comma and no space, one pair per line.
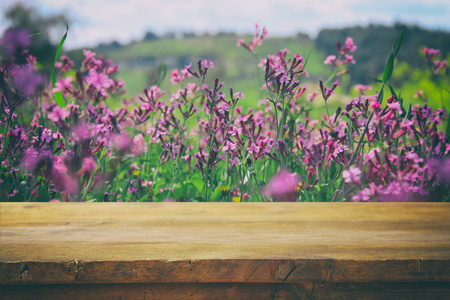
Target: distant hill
235,66
138,61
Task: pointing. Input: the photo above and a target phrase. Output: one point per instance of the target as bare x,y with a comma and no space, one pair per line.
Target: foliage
200,144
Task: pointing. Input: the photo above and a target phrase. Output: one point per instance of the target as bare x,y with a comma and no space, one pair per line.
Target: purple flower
36,158
15,40
26,80
282,187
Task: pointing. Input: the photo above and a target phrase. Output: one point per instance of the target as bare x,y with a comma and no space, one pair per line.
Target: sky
95,21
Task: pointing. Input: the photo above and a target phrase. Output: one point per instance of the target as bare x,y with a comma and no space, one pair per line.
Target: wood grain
258,243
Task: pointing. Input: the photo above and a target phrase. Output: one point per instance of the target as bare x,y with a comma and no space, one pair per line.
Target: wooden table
224,250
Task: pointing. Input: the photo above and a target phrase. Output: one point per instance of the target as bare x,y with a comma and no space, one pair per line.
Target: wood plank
59,243
161,291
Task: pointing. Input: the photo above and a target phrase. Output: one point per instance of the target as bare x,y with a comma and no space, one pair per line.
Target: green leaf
143,198
398,44
374,79
389,68
102,155
162,72
215,195
350,134
179,193
197,182
380,96
408,114
43,195
58,95
447,133
163,195
393,92
332,169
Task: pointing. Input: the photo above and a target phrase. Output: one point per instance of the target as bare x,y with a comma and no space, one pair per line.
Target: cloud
123,20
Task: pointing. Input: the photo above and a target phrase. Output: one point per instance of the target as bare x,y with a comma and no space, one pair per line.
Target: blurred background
139,36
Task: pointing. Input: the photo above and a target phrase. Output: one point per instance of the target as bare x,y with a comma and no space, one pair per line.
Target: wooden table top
223,242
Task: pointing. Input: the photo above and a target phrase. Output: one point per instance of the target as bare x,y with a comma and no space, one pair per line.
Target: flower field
61,139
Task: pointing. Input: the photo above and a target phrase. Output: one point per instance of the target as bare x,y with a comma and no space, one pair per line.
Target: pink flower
282,187
330,60
87,166
208,64
99,81
239,95
284,79
418,94
253,148
63,84
362,87
240,42
122,142
349,45
139,144
431,53
348,58
312,96
352,175
58,114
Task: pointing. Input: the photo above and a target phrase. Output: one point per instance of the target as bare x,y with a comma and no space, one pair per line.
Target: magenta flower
282,187
352,175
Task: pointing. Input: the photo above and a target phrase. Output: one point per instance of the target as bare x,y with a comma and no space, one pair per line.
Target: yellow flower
236,199
286,134
225,188
299,186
